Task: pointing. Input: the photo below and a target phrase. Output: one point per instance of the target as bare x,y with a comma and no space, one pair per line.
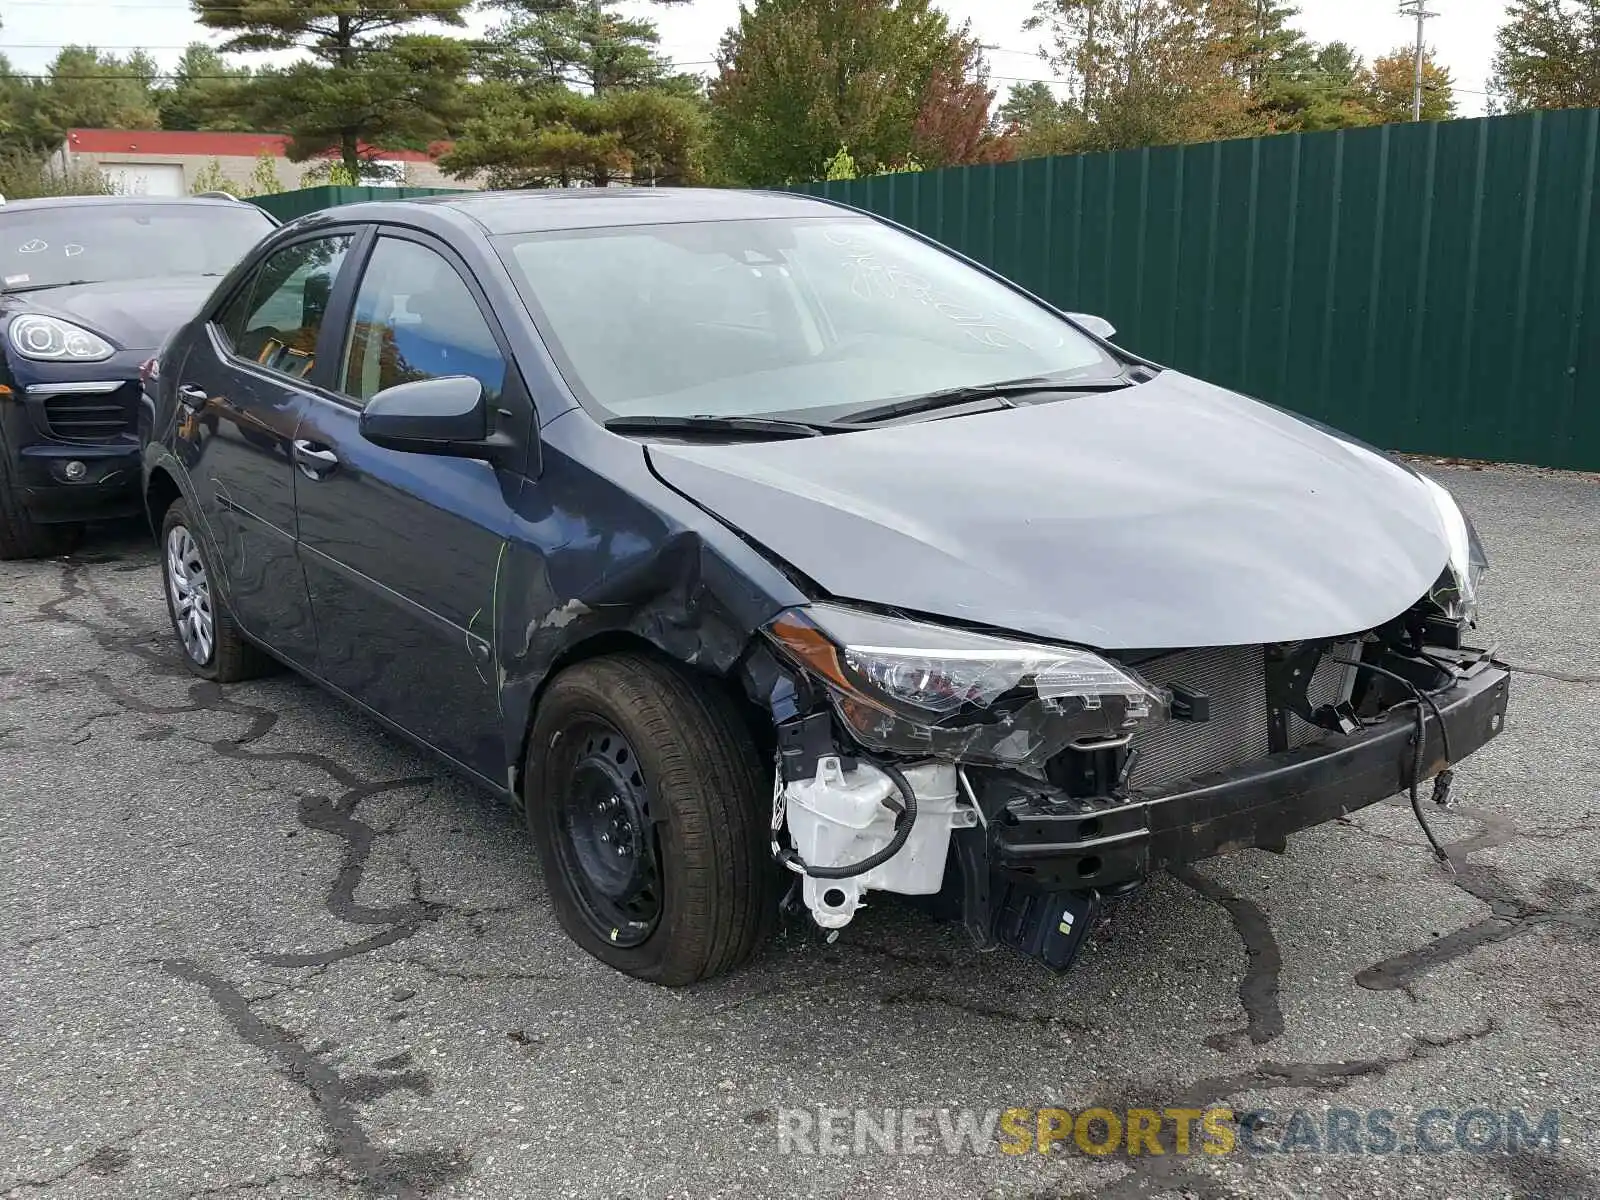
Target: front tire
211,644
20,535
643,792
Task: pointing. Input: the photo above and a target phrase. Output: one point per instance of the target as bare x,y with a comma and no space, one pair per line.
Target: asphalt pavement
252,946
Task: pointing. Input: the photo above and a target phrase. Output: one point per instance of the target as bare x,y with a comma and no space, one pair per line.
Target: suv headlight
914,688
50,339
1456,592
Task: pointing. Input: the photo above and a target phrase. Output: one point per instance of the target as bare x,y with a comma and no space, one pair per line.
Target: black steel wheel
649,807
607,839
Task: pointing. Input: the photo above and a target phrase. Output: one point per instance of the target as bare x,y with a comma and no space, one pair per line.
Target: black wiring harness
1446,776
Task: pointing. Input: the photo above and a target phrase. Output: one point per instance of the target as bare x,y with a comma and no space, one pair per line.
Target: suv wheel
20,535
643,792
213,648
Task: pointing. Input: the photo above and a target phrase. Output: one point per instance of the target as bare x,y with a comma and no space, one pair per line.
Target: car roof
95,201
546,209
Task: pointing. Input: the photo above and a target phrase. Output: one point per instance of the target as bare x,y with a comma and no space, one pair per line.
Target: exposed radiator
1235,678
1330,683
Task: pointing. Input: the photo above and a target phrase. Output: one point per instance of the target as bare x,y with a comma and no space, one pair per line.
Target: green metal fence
1428,287
286,206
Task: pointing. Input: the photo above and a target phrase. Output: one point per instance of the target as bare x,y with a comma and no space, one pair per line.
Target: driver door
400,549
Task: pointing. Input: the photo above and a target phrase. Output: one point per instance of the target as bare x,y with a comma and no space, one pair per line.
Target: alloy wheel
190,590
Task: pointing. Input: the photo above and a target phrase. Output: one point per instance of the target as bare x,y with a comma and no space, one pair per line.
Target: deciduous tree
1392,86
1548,55
1148,72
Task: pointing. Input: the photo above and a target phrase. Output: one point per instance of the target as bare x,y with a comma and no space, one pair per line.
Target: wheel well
158,497
620,641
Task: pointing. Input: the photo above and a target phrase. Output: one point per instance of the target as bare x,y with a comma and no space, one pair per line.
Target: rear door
400,550
243,388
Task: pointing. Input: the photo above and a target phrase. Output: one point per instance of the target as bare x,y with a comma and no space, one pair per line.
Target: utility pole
1419,10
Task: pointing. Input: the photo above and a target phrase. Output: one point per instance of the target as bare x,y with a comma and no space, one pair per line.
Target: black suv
90,286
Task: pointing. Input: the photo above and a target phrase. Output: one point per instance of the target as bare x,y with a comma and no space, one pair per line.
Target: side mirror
1098,326
448,415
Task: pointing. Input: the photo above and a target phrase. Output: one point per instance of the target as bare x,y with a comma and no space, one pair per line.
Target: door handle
192,398
314,463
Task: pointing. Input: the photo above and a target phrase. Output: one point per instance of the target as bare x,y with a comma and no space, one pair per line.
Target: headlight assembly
1456,592
914,688
50,339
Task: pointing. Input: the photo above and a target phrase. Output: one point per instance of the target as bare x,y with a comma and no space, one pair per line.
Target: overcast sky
1462,33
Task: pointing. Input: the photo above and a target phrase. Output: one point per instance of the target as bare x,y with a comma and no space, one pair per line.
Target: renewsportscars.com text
1161,1131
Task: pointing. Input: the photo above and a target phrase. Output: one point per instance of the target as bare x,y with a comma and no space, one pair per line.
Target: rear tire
20,535
626,735
209,640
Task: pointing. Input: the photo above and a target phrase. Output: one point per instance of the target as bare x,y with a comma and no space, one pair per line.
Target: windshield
104,243
746,318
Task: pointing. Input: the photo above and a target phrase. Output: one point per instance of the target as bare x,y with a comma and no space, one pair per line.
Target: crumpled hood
134,314
1168,515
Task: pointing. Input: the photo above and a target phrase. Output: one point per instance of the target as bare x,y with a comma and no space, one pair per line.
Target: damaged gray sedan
760,552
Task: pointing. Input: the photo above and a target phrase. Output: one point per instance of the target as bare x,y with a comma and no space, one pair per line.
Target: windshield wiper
39,287
769,427
1001,391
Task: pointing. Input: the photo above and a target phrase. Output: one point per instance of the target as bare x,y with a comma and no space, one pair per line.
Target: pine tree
556,137
586,44
366,81
207,92
891,79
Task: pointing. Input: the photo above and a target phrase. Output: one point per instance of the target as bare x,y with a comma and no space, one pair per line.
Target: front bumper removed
1035,875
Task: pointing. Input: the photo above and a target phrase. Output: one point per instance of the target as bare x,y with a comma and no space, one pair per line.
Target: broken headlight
913,688
1456,592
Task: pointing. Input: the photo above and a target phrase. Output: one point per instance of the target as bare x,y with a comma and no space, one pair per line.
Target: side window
230,319
274,319
415,319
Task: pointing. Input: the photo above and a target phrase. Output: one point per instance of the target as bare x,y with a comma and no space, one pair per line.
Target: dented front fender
593,561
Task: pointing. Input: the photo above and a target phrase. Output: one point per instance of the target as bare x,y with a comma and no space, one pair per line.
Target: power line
471,45
97,5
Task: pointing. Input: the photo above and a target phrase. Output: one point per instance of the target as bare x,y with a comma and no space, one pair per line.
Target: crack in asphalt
405,1175
400,1174
1508,914
320,1174
338,817
57,935
508,976
150,646
1260,985
923,995
1552,673
319,813
105,1160
1149,1175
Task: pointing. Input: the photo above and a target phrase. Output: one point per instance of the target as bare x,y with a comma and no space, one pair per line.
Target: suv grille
1235,677
91,417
